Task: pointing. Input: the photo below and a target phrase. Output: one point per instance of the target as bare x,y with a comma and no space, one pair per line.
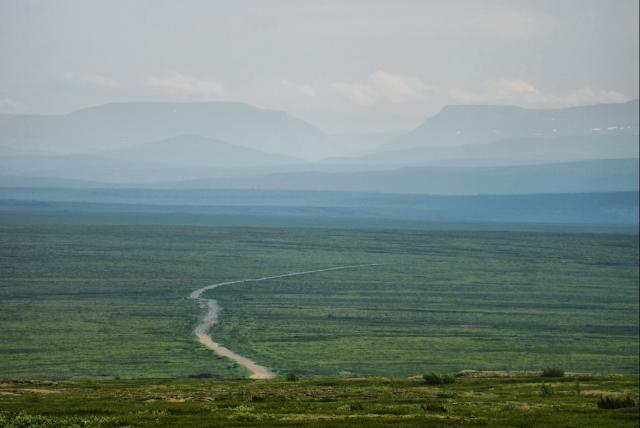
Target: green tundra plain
97,327
112,301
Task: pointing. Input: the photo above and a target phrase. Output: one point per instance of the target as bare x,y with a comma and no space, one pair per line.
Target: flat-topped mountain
469,124
110,126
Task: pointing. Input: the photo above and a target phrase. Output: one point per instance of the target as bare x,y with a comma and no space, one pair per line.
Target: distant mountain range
612,175
461,150
112,126
179,158
513,151
195,150
477,124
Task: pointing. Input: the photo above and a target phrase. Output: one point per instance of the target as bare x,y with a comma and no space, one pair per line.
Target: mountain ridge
114,125
609,175
191,149
477,123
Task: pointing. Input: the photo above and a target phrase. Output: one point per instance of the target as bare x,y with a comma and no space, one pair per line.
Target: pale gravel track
257,371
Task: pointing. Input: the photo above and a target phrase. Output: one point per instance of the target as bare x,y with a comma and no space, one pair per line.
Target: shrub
201,376
546,390
447,379
434,407
615,402
431,378
26,420
445,395
552,372
291,377
357,406
350,407
438,379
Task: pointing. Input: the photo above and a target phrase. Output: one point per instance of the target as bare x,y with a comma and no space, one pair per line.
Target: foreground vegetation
523,401
91,300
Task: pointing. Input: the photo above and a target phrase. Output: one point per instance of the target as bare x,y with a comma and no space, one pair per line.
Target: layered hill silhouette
112,126
466,149
613,175
476,124
511,151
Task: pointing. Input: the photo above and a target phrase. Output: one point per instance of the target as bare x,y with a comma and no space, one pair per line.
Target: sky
344,66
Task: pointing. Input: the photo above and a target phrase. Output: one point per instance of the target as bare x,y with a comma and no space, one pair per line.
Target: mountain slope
110,126
194,150
473,124
514,151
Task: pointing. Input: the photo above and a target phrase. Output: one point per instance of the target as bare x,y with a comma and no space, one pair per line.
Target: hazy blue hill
359,143
111,126
200,151
124,172
47,182
471,124
587,176
326,209
92,167
179,158
235,145
524,150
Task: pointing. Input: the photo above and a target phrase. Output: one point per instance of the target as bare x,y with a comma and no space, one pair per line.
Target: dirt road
257,371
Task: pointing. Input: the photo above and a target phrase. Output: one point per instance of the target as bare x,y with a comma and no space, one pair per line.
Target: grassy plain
326,402
96,300
446,301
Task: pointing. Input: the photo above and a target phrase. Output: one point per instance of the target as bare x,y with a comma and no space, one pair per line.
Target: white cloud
183,86
9,106
300,88
383,87
98,80
102,81
407,100
586,96
520,92
307,90
511,89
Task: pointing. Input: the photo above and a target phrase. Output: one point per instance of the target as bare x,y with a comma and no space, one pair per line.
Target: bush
291,377
431,378
445,395
357,406
552,372
24,421
447,379
438,379
615,402
546,390
433,407
201,376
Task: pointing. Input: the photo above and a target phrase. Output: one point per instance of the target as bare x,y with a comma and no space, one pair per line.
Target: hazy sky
341,65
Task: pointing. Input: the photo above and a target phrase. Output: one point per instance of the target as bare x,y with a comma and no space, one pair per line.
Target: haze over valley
466,149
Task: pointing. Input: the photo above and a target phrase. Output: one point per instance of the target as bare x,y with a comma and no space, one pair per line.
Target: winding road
257,371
